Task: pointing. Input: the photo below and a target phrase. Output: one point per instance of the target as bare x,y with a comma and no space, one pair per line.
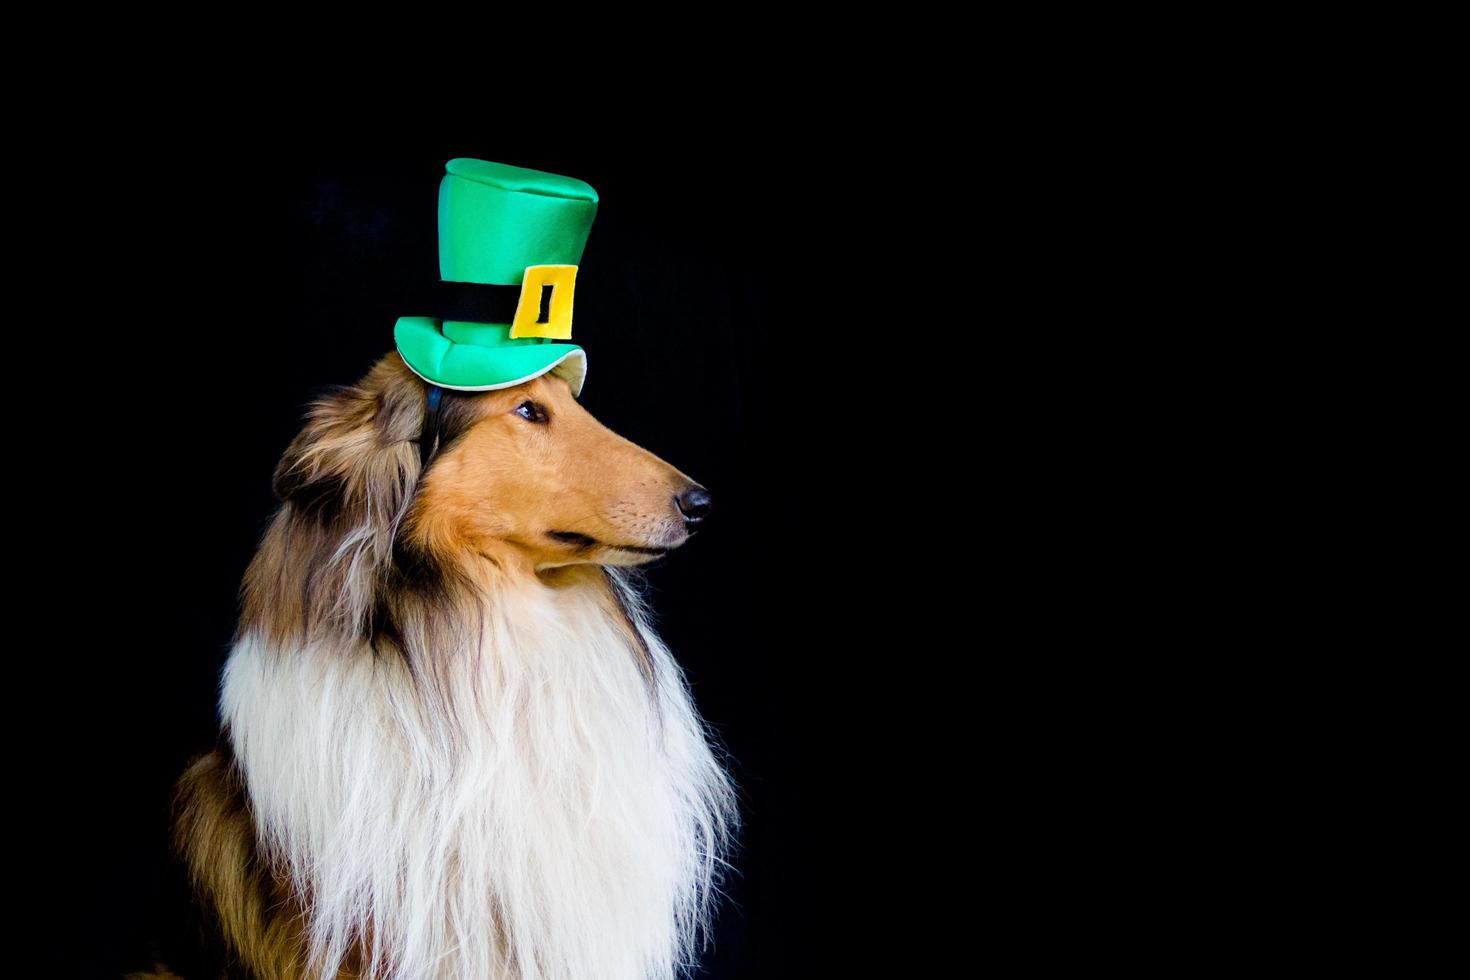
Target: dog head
527,471
524,476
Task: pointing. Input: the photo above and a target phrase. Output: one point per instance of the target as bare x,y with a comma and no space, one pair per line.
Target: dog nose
694,504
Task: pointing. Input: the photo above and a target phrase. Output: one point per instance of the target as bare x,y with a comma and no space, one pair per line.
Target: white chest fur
529,804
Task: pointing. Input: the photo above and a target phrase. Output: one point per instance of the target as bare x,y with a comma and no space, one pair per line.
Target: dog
452,744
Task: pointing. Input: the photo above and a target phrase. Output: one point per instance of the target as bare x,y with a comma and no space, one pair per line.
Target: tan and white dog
452,745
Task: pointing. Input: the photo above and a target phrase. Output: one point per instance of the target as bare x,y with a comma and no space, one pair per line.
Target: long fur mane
431,768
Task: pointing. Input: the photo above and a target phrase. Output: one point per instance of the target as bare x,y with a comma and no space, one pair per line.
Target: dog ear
302,477
355,453
346,484
345,481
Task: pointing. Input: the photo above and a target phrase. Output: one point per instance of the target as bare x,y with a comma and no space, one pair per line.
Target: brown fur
254,909
425,553
159,972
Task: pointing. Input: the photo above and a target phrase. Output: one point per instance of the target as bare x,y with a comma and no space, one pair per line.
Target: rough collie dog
451,744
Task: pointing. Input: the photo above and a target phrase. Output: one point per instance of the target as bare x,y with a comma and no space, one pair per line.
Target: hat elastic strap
430,431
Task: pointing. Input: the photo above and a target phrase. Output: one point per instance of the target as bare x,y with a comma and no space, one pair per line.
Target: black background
742,299
983,357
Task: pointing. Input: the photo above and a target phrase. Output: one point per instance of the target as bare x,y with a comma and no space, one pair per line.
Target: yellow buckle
558,323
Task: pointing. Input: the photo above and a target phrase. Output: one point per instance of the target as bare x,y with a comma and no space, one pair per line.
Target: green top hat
510,240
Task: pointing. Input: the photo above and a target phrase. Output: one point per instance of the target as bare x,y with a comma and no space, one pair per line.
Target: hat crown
496,219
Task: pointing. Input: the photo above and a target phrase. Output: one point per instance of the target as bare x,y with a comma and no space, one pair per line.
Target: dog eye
531,411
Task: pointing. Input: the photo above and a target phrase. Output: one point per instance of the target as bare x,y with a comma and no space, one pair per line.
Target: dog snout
694,504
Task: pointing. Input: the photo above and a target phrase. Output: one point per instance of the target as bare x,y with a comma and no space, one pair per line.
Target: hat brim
468,367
